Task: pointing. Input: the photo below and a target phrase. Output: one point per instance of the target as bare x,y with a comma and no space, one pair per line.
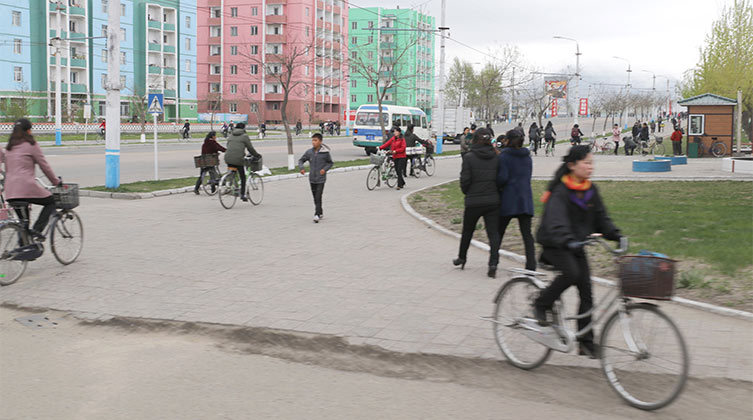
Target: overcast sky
662,36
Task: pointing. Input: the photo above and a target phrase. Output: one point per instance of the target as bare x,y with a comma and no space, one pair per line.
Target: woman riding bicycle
237,144
572,212
209,147
20,157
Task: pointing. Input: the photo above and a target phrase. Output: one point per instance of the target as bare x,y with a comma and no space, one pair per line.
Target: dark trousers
524,222
491,221
535,145
400,169
213,175
677,148
616,147
48,208
575,271
241,173
317,190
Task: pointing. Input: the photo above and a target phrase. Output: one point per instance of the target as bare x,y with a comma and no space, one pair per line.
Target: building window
354,40
254,30
104,56
104,6
215,50
214,87
215,12
307,32
215,31
370,40
16,46
122,81
233,12
307,12
370,98
254,49
275,106
254,107
188,21
370,84
188,44
254,11
188,86
16,18
254,69
233,107
122,58
306,70
371,24
354,83
125,109
122,34
233,50
353,98
371,55
233,88
122,9
188,65
102,105
233,31
215,69
104,31
233,69
18,74
254,88
354,25
354,55
104,81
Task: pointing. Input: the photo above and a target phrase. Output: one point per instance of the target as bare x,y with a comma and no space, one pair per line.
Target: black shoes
196,192
539,312
590,349
459,262
492,273
243,198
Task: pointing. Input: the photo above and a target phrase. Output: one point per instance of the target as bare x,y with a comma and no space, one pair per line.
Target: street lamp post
629,70
653,88
669,99
577,75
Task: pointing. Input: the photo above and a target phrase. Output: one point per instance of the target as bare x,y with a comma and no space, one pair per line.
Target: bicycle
601,146
623,344
549,151
716,149
229,185
383,170
101,135
419,162
18,246
653,147
210,178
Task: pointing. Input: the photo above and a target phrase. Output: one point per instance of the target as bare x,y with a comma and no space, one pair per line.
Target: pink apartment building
242,44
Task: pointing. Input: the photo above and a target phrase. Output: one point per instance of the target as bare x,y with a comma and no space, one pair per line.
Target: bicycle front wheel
11,238
719,149
391,178
659,149
644,356
228,190
372,179
515,300
67,237
429,166
254,189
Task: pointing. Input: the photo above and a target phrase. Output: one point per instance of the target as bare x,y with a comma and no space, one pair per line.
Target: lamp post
653,87
669,99
629,70
577,74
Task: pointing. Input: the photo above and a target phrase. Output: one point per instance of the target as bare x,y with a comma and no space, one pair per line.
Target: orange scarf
570,183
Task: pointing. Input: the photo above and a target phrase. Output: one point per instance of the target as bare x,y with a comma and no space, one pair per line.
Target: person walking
630,145
478,181
225,129
298,127
677,141
514,180
575,135
465,141
616,132
397,148
659,124
653,126
573,210
411,140
237,145
320,161
186,130
20,158
209,147
644,137
491,130
549,134
535,137
636,131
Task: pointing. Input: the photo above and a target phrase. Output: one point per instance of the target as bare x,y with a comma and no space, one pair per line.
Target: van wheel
370,150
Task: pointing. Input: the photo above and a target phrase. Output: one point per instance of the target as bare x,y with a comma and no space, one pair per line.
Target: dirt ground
733,292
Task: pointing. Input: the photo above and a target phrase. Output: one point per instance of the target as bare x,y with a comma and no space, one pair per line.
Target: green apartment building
383,34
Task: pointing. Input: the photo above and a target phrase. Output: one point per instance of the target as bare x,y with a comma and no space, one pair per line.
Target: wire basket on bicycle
377,159
65,196
253,163
206,161
647,276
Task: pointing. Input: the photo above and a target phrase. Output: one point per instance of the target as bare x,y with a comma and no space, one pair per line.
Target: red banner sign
555,109
583,110
352,115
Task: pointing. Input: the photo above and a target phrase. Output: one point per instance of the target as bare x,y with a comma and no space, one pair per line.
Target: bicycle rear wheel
255,189
228,190
659,149
372,179
391,177
12,237
719,149
67,237
429,166
515,300
644,356
209,181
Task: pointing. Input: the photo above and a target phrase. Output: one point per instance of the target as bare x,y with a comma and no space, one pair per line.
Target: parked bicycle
716,148
601,146
229,187
18,246
383,170
643,353
655,146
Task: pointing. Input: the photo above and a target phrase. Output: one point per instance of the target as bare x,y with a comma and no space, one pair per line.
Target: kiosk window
697,125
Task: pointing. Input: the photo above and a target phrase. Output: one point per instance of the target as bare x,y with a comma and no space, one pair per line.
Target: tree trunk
284,115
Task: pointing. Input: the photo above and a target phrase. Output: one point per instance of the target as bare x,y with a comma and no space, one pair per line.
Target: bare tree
139,106
536,99
461,83
213,103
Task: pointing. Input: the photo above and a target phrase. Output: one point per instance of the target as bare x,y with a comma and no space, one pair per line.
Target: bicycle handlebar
598,238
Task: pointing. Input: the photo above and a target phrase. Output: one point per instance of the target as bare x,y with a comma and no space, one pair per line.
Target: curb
719,310
273,178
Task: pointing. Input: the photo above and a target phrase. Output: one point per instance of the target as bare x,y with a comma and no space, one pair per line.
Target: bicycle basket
647,277
659,139
253,163
376,159
65,196
205,161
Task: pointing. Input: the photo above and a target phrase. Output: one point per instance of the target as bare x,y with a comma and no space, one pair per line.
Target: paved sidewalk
368,272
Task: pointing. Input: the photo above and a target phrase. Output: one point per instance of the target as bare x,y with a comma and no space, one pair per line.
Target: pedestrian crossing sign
155,101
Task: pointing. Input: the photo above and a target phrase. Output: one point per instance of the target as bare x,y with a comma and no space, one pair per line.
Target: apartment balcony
169,27
271,19
168,49
75,10
214,21
78,62
320,5
277,1
273,97
387,45
214,59
77,36
170,71
53,34
78,88
337,28
155,24
276,39
169,93
155,70
389,60
63,61
336,10
155,47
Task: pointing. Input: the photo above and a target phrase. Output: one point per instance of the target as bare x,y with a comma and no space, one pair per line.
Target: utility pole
58,78
112,111
440,109
739,131
512,97
577,76
627,110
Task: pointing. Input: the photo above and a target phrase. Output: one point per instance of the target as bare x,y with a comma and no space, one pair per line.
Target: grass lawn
708,226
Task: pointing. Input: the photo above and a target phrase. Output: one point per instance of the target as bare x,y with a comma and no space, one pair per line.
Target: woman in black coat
478,181
535,137
572,212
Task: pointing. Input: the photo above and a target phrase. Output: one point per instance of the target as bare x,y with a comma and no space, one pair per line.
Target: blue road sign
155,103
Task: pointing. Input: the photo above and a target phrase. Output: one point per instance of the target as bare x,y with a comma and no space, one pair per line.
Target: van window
416,120
423,122
370,119
406,120
396,120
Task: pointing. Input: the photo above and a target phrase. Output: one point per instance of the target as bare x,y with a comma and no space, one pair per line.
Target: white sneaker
316,219
321,217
